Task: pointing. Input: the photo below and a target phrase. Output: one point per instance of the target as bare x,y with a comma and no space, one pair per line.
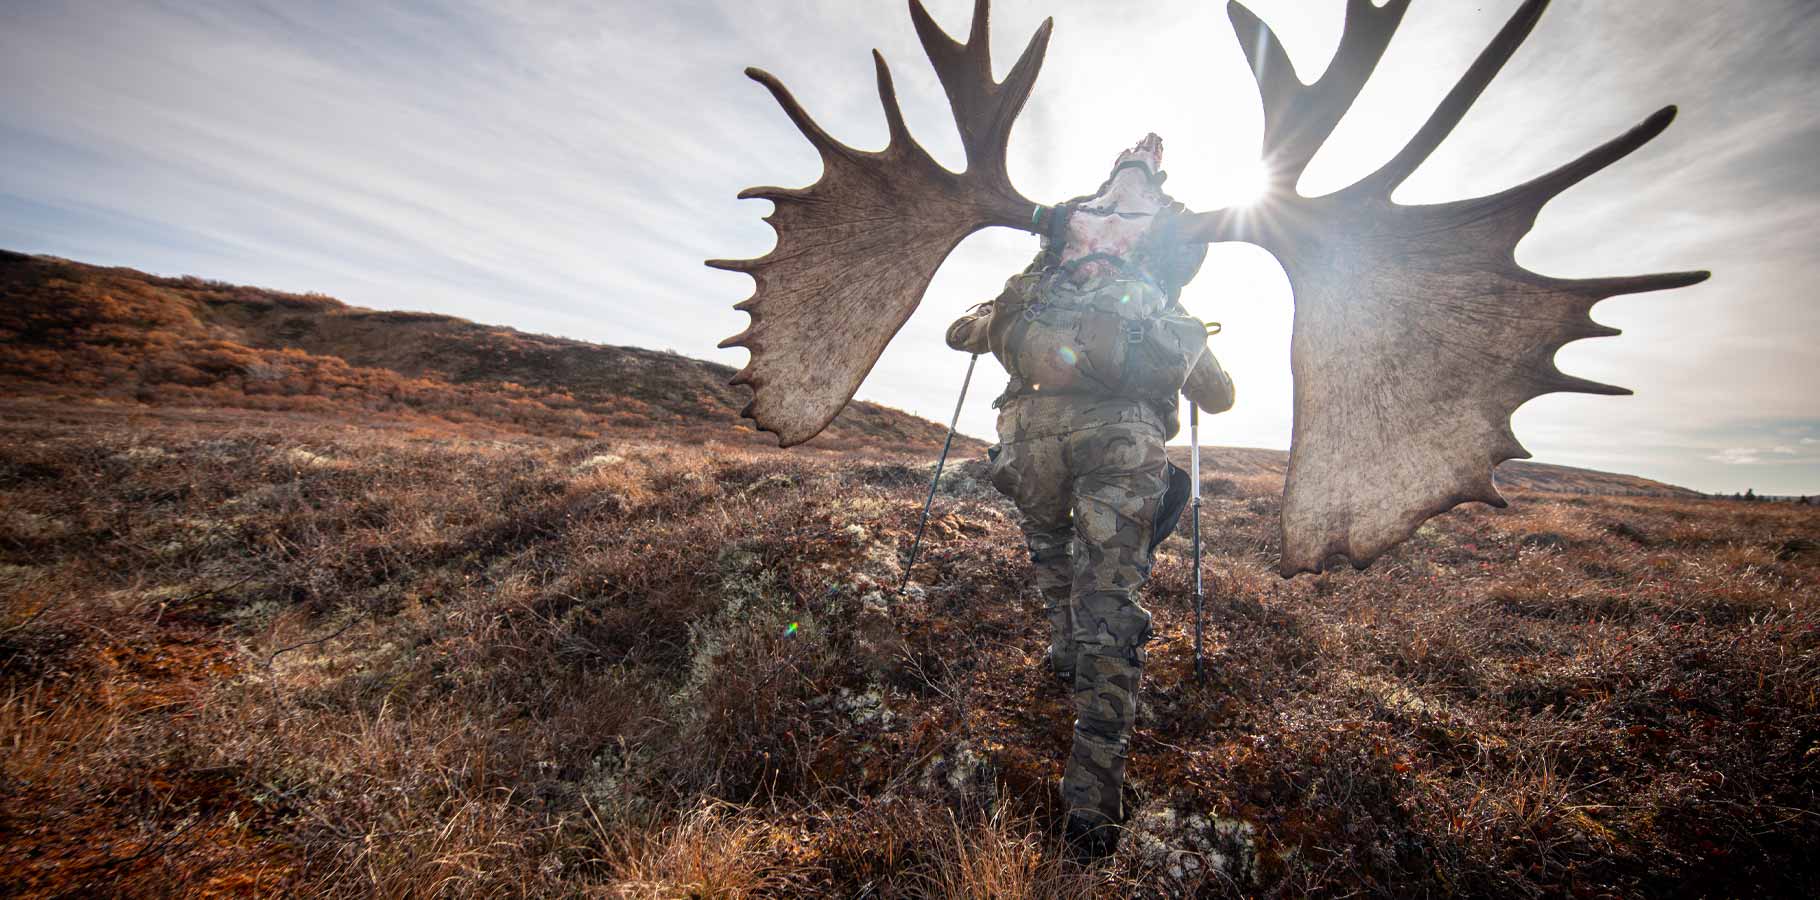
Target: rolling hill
69,330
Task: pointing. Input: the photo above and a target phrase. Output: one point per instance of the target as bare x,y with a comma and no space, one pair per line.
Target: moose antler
857,249
1417,335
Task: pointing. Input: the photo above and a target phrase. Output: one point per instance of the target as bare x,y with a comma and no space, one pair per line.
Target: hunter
1098,348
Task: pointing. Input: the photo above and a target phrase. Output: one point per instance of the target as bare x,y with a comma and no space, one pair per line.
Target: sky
564,168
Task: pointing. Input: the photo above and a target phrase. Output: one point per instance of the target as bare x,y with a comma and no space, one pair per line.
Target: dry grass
287,655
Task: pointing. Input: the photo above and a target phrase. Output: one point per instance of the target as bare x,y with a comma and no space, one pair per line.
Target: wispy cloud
1738,456
564,167
1750,456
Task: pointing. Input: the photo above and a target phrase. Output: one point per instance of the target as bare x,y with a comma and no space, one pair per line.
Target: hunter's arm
1208,385
969,333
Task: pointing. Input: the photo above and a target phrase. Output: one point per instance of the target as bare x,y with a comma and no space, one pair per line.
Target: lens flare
1244,185
791,630
1066,354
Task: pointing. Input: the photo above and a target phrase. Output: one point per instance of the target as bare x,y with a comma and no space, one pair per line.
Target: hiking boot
1091,838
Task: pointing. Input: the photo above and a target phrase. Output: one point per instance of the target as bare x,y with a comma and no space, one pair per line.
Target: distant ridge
74,330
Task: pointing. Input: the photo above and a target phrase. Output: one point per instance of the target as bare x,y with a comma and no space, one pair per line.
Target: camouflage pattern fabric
1088,474
1051,556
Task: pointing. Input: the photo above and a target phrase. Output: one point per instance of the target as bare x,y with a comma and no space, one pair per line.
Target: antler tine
1532,195
1600,288
1568,384
1458,101
1310,112
965,70
894,114
824,142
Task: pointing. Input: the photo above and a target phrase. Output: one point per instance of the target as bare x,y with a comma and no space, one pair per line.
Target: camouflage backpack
1122,337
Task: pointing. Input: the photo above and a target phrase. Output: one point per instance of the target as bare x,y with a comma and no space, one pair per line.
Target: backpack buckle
1033,312
1134,331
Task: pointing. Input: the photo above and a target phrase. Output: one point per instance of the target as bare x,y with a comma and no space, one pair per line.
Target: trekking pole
924,522
1194,462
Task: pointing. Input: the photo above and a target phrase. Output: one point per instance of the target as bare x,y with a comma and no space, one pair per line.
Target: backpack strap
1052,224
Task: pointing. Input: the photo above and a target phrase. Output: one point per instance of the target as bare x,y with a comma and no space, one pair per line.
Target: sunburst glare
1242,185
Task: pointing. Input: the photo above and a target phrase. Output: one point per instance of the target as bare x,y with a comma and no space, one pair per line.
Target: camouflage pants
1088,475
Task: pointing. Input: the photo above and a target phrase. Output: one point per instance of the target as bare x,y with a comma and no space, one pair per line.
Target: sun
1242,185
